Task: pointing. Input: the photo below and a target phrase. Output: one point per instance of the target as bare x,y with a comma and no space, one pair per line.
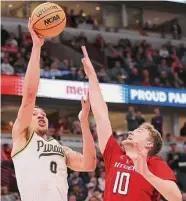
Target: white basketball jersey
41,170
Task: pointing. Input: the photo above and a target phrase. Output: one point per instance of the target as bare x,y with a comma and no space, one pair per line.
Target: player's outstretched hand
88,67
140,161
37,40
84,113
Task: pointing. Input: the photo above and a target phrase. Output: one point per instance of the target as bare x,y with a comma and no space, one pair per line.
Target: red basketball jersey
123,183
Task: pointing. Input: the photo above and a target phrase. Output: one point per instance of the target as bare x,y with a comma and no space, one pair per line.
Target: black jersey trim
47,140
24,146
50,139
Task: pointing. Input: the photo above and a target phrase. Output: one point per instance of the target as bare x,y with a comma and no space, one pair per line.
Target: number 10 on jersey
119,183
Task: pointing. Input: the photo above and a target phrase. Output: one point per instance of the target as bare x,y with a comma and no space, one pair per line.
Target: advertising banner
60,89
154,96
72,90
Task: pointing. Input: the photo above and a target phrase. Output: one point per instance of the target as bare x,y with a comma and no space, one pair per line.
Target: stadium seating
125,63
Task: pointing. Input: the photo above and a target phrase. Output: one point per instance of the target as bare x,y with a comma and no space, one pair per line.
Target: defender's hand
88,67
37,40
140,161
84,113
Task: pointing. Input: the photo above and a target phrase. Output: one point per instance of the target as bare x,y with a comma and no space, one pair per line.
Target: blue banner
154,96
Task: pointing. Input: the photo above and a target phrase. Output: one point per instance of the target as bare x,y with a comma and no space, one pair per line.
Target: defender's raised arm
87,160
97,102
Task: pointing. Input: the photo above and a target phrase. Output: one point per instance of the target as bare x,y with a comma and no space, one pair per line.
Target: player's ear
149,145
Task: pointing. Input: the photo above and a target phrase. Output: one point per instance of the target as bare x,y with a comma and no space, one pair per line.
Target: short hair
37,107
156,137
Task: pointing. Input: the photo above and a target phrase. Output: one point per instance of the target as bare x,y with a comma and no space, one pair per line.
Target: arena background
139,52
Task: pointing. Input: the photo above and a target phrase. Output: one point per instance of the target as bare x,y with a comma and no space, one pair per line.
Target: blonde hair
156,138
37,107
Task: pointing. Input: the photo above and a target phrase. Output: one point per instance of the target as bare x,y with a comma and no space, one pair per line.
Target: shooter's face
39,121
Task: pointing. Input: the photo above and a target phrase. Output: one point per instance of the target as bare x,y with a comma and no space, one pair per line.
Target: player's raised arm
97,102
30,88
87,160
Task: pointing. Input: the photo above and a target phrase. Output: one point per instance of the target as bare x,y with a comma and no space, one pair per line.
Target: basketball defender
41,164
134,172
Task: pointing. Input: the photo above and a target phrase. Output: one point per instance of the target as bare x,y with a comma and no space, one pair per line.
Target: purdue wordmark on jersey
49,149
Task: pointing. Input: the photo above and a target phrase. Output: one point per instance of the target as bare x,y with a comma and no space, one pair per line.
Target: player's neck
43,136
130,151
131,154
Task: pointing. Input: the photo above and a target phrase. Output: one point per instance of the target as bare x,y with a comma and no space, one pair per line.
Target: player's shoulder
152,160
160,168
155,163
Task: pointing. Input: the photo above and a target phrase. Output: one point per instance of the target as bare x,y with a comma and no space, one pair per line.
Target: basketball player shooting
133,172
41,164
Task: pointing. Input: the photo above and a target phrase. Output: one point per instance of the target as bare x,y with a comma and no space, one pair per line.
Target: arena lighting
11,123
10,5
97,8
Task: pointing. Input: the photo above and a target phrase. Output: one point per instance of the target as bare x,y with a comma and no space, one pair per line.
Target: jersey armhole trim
24,146
50,139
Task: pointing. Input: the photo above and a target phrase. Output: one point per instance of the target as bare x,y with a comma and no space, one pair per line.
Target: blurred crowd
64,124
175,29
136,118
75,19
138,64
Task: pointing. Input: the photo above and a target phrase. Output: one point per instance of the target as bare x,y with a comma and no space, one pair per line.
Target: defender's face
39,121
139,136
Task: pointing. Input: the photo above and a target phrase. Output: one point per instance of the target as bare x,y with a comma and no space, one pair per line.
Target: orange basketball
48,19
